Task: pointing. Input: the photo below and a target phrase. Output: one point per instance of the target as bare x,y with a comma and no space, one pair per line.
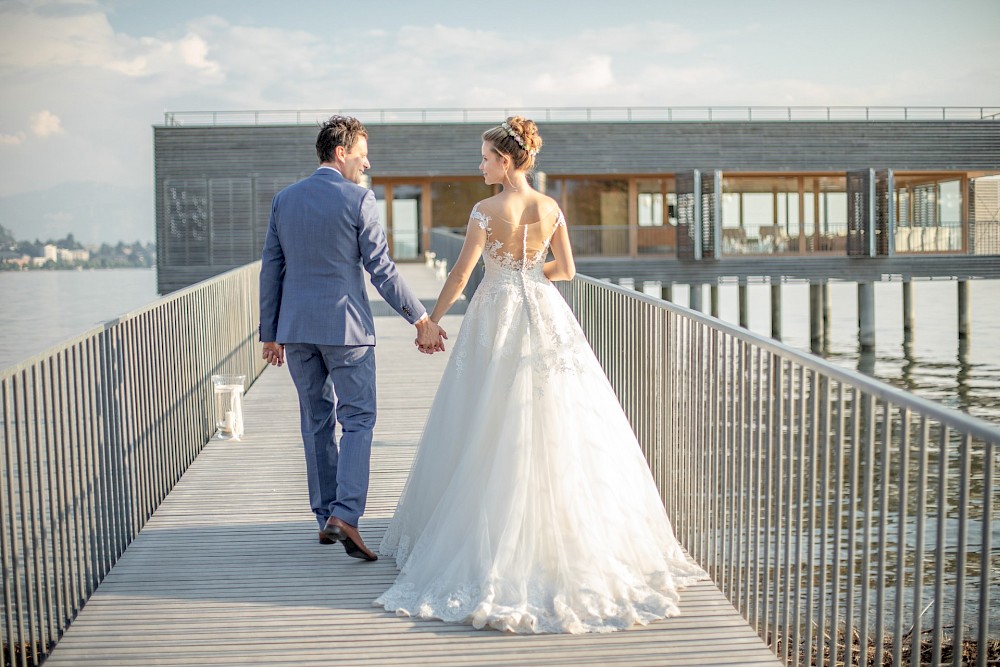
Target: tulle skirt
529,507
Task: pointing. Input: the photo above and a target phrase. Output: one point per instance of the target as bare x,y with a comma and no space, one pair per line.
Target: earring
507,179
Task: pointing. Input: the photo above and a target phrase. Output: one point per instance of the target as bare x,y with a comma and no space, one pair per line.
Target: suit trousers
335,383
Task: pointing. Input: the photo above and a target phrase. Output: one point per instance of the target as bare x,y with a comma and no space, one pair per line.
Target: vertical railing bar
97,463
823,501
741,517
788,531
26,506
94,469
119,414
130,453
964,478
104,470
54,564
705,427
690,431
37,524
852,522
712,448
904,466
869,407
986,565
810,494
683,436
57,565
759,591
800,485
942,541
885,466
169,437
770,516
39,534
686,437
918,560
722,446
67,554
694,458
732,452
145,453
837,525
71,444
89,445
778,489
146,388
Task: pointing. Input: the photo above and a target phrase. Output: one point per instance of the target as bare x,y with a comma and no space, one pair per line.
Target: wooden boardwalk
229,571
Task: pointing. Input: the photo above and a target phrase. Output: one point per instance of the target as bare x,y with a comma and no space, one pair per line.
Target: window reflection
452,201
597,212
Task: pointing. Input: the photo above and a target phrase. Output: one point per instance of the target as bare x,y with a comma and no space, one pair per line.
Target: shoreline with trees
69,254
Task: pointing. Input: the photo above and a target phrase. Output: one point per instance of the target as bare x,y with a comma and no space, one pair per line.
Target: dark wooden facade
214,184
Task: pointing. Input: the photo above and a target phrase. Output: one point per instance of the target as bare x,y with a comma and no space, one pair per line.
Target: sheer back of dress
517,246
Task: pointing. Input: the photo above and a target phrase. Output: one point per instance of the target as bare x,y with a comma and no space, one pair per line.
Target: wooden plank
229,569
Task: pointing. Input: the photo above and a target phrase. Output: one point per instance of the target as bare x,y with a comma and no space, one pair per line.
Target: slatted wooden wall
214,184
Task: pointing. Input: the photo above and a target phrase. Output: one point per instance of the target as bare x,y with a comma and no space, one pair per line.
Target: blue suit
323,235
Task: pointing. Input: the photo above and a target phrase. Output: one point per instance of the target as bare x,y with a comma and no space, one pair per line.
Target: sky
84,81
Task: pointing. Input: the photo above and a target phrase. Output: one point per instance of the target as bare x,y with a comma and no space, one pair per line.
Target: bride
529,507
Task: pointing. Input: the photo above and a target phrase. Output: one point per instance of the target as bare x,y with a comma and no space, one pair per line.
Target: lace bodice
517,247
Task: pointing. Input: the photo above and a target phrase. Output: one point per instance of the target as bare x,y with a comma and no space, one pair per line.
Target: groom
324,232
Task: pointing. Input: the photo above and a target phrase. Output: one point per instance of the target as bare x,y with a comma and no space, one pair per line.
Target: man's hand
430,337
274,354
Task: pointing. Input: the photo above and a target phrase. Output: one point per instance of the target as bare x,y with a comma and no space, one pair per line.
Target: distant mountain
93,212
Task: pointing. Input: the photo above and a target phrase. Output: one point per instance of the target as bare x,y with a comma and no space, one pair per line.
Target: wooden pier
229,569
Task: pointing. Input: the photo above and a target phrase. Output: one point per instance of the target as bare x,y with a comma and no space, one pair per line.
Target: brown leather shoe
340,531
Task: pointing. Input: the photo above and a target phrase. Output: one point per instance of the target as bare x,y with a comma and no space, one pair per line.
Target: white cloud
67,58
45,124
12,139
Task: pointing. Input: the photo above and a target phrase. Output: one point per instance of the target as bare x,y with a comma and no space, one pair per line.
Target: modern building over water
658,193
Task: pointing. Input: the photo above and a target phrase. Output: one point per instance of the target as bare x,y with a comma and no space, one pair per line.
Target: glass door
402,220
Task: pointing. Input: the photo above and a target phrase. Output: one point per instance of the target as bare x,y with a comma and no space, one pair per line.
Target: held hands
430,337
274,354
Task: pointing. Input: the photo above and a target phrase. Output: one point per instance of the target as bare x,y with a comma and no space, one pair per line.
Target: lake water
39,309
933,365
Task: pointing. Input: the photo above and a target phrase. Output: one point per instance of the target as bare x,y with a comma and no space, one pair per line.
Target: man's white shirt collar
323,166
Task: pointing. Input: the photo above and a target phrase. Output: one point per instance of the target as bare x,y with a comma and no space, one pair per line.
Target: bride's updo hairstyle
517,138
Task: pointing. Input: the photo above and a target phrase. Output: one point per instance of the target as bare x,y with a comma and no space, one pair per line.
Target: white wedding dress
529,507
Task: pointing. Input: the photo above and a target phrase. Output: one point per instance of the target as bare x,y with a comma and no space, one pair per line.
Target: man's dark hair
338,131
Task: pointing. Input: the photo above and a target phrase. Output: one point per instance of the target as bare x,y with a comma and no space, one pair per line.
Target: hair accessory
518,138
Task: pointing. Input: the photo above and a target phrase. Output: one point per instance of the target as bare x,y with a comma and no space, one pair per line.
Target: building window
452,201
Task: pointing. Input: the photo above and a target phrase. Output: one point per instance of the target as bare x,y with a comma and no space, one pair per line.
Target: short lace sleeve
480,218
560,219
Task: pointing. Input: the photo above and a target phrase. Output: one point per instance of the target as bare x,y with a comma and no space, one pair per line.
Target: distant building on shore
634,183
56,254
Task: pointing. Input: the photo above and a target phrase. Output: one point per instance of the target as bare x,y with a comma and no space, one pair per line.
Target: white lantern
228,390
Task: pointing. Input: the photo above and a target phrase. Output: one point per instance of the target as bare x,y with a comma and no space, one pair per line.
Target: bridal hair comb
518,138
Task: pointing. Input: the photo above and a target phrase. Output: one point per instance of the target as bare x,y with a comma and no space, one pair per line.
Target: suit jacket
324,233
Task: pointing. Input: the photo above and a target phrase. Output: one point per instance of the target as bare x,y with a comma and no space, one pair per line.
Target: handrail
831,509
584,114
95,433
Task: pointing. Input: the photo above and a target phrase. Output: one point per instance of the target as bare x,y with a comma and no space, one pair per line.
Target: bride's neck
516,182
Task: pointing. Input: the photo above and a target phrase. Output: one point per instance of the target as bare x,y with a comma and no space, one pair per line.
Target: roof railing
585,114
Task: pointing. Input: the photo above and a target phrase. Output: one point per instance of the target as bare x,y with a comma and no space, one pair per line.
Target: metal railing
847,521
95,433
583,114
